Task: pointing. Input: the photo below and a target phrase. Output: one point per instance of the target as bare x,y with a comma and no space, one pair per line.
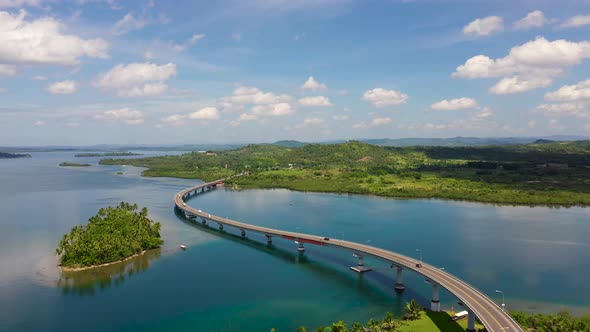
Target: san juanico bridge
478,304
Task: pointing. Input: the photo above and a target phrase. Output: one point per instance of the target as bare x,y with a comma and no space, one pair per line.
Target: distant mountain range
399,142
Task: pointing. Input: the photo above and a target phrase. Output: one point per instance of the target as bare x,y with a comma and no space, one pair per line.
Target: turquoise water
538,256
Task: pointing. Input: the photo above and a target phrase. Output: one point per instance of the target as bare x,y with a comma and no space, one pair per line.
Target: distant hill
289,143
467,141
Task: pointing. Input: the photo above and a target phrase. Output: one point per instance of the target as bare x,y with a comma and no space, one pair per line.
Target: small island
6,155
69,164
114,234
108,154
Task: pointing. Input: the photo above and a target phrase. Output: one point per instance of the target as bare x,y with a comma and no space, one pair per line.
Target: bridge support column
399,282
470,321
435,302
243,233
268,239
301,248
221,227
204,221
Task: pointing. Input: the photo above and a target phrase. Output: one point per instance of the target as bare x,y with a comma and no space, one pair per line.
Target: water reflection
90,282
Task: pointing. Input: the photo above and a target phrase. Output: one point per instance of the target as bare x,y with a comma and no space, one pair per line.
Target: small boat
183,247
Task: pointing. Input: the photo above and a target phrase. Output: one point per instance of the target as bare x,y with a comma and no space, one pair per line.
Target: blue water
538,256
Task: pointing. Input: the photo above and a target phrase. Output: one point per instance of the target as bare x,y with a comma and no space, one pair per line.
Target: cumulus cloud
63,87
527,66
207,113
251,95
576,21
534,19
380,97
313,85
578,91
454,104
579,110
39,78
373,123
6,70
39,123
42,42
127,115
174,120
137,79
128,23
278,109
484,26
247,117
317,101
517,84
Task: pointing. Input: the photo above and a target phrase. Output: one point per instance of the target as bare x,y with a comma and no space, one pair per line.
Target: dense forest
6,155
113,234
552,173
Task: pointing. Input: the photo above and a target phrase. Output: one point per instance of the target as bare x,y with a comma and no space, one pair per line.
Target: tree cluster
113,234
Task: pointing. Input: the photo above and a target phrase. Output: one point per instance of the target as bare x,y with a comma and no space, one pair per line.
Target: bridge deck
488,312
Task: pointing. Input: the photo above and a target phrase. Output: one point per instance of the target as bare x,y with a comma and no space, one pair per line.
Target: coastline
76,269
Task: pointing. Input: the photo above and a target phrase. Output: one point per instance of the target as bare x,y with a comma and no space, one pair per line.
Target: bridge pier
268,239
470,321
221,227
399,282
360,268
301,248
243,233
435,302
204,221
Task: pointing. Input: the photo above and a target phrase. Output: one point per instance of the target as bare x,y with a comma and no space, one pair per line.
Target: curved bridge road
477,303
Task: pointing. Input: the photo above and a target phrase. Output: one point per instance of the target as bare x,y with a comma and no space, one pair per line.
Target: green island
69,164
541,173
6,155
108,154
112,235
417,319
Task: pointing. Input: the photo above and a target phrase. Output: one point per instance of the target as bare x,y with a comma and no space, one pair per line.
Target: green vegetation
69,164
113,234
563,321
549,173
6,155
108,154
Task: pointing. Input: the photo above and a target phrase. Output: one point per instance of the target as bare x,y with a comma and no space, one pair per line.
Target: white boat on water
183,247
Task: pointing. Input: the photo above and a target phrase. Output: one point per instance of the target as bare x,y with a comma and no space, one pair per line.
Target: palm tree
413,310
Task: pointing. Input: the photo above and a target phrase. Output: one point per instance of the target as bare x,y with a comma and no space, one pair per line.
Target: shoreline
77,269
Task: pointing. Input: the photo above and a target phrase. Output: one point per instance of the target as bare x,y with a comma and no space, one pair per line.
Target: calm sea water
540,257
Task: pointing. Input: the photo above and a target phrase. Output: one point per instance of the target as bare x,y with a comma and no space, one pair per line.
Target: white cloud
340,117
527,66
19,3
247,117
313,85
39,123
175,120
6,70
310,122
516,84
578,91
454,104
484,26
41,42
251,96
278,109
126,115
534,19
128,23
63,87
207,113
576,21
137,79
380,97
316,101
380,121
39,78
577,109
196,38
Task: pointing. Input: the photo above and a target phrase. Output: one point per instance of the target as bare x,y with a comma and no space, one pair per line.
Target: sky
85,72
